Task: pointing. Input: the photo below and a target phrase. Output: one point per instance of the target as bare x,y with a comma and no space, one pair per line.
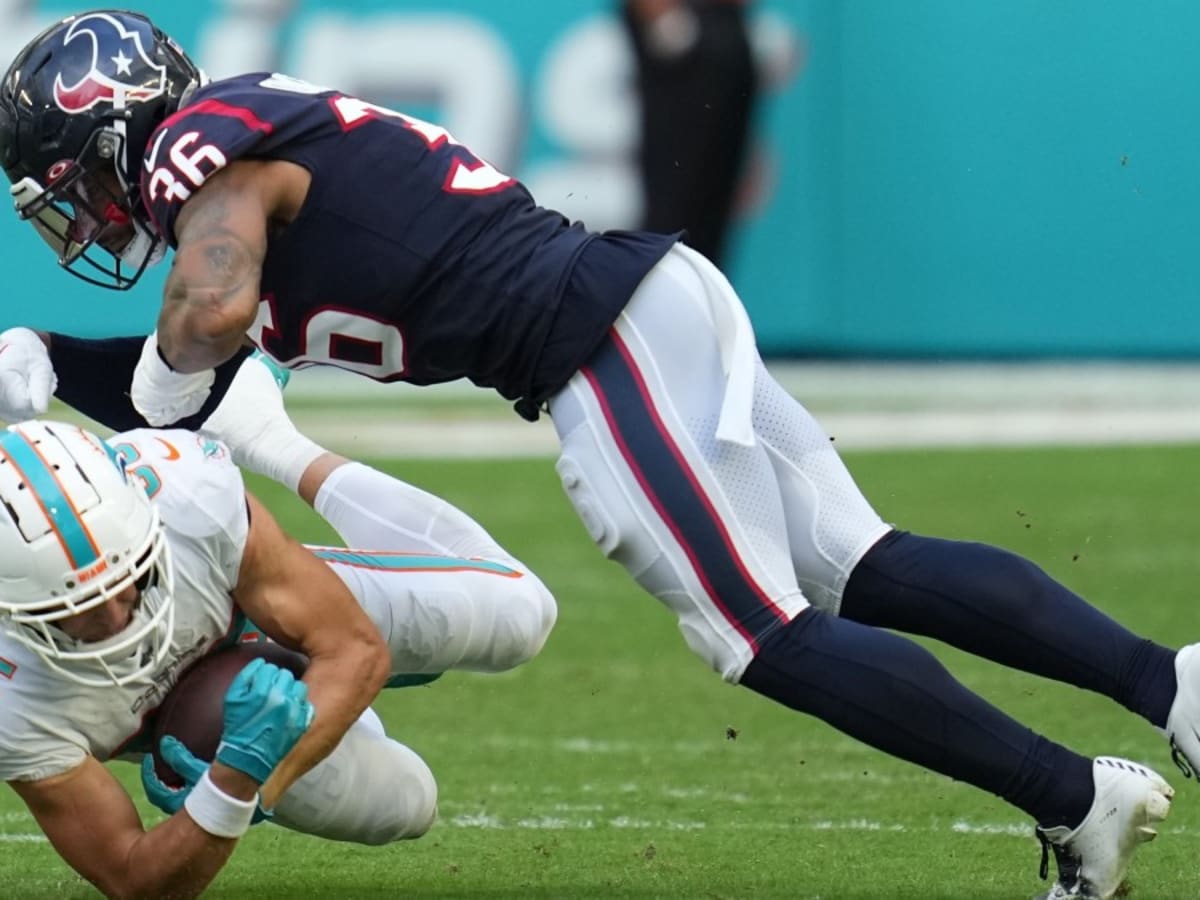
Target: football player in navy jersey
331,231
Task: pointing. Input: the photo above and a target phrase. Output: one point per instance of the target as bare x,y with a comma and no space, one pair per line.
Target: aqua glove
188,767
266,713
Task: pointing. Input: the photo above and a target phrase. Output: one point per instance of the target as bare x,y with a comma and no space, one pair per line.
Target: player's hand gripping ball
194,711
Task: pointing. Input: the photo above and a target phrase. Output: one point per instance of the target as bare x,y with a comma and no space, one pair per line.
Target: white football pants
444,595
694,469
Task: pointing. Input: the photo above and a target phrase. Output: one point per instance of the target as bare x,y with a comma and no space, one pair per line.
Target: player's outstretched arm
298,601
92,823
94,826
35,365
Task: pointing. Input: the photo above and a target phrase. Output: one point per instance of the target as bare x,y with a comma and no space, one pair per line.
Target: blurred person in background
697,85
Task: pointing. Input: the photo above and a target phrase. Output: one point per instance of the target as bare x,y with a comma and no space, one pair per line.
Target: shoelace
1068,863
1184,764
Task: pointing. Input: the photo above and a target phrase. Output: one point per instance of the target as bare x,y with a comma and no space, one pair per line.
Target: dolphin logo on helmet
144,78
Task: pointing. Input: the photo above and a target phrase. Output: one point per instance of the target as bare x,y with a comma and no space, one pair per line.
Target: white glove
251,421
164,396
27,377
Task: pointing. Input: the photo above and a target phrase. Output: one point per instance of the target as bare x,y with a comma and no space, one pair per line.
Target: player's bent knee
369,790
530,618
412,802
523,614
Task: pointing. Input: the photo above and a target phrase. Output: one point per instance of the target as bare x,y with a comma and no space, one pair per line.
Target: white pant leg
442,592
830,524
440,613
717,530
369,508
369,790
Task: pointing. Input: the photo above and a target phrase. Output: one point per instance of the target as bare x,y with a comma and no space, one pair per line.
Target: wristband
218,813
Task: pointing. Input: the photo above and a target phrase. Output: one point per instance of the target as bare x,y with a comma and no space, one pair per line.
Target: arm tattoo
214,261
211,292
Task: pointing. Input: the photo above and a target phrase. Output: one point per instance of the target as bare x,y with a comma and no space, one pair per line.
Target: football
193,711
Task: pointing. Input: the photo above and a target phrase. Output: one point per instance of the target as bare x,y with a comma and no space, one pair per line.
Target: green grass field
616,765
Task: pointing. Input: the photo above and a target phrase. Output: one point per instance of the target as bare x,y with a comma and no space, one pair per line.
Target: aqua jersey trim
411,562
60,513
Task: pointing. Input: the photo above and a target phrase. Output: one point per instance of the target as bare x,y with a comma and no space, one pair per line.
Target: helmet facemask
85,199
134,652
77,532
78,106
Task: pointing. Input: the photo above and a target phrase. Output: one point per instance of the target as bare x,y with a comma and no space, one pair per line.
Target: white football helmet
75,530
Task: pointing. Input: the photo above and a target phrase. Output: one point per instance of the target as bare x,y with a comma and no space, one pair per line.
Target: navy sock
895,696
1000,606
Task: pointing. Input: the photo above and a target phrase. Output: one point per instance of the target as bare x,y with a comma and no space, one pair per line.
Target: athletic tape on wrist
218,813
289,468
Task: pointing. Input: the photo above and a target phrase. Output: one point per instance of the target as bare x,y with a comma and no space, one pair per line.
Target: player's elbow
156,892
220,324
116,890
374,658
139,871
360,655
138,887
202,327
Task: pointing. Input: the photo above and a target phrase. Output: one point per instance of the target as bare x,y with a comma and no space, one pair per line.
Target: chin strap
143,250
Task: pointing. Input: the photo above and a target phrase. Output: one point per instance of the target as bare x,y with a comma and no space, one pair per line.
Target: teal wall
934,177
1018,177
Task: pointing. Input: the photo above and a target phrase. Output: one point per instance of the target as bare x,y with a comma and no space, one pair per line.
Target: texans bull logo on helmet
129,72
77,107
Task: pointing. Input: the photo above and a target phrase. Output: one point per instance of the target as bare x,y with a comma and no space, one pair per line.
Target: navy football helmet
77,108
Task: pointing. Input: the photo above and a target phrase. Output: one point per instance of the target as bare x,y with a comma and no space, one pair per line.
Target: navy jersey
411,259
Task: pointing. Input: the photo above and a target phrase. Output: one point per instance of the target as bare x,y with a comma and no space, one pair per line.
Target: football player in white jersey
127,560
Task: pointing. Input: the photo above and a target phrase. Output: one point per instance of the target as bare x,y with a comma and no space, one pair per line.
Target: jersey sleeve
28,762
199,493
34,743
36,758
227,120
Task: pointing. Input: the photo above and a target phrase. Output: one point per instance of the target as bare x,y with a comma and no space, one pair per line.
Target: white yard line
859,405
493,822
490,821
491,438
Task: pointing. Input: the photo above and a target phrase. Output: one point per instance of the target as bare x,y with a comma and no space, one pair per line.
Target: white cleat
1092,858
1183,721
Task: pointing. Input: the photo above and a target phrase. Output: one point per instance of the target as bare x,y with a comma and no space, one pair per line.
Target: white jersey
49,725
